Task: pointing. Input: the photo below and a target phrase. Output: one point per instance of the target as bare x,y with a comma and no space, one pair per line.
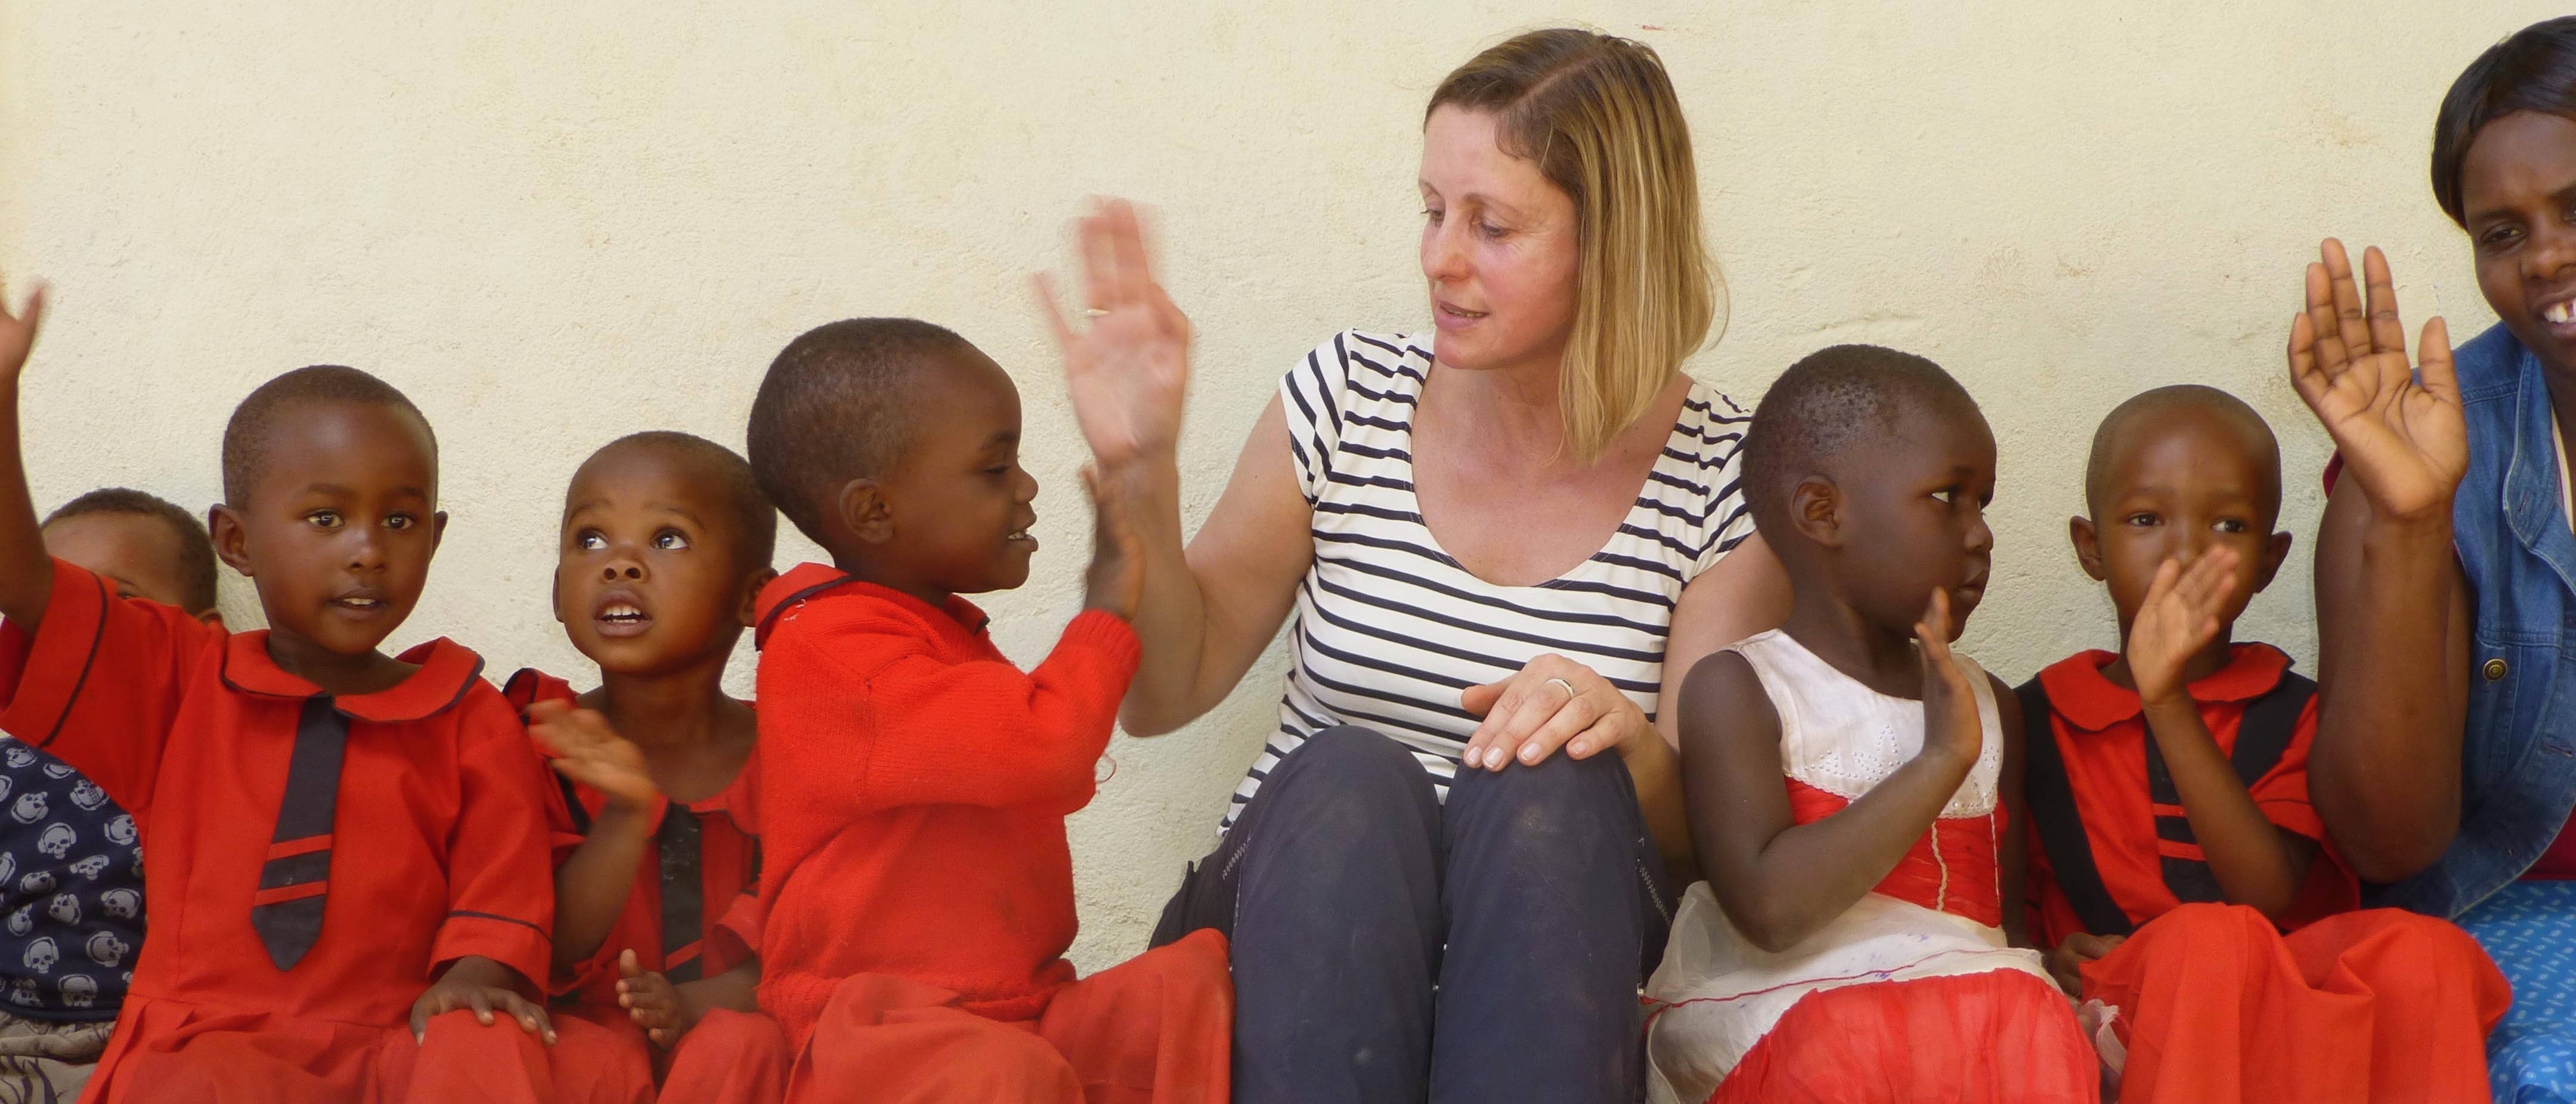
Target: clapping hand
2178,618
1128,371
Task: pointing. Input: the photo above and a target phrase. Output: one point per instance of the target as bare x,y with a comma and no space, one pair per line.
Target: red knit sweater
916,785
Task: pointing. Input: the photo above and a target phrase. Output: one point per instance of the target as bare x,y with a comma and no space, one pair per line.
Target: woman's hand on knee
1553,703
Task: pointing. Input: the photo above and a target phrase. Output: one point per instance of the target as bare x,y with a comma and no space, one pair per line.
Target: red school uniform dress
2213,1002
919,889
315,861
693,914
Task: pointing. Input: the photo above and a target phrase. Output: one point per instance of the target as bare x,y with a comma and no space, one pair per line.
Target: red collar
447,671
809,581
2092,703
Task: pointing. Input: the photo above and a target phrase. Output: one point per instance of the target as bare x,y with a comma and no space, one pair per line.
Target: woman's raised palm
1128,372
2400,432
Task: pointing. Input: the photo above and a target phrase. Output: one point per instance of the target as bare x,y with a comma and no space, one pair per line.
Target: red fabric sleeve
931,732
736,938
99,682
500,881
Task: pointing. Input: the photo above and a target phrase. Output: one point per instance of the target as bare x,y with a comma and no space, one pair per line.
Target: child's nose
622,571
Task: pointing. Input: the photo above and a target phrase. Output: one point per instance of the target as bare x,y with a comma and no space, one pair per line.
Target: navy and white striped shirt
1389,628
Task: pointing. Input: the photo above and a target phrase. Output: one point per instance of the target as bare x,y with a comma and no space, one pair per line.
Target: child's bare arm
1779,881
593,885
1116,581
26,575
2256,863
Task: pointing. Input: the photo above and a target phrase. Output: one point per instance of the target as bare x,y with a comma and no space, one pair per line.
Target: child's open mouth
361,604
622,619
1017,536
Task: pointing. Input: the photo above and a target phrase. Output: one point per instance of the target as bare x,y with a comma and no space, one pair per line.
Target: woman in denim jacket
2445,764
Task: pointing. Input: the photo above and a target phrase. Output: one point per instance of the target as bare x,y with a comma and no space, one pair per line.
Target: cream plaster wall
557,223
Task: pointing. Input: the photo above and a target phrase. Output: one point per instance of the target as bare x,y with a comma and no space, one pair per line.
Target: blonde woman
1502,541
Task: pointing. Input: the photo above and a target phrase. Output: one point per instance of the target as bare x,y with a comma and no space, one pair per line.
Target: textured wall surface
555,224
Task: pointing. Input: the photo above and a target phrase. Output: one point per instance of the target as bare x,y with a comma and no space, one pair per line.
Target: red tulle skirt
1998,1036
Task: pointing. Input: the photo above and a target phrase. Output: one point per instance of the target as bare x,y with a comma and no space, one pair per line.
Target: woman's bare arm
1210,608
2393,616
1746,592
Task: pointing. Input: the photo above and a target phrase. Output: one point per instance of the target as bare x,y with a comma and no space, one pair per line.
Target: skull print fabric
71,891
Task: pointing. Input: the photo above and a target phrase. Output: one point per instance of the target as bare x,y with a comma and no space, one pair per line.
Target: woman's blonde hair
1599,117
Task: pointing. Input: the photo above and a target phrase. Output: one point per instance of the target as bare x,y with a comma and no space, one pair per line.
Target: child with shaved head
2172,841
348,848
665,543
914,782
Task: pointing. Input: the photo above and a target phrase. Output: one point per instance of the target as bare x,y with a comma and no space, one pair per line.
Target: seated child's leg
44,1060
463,1060
253,1063
2002,1035
729,1058
2214,1008
1156,1029
596,1063
884,1038
2434,996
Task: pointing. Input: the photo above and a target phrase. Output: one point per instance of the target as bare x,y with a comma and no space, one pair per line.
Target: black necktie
680,840
287,910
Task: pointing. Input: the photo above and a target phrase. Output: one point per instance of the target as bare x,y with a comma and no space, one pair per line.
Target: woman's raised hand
1129,370
1553,702
2401,435
18,332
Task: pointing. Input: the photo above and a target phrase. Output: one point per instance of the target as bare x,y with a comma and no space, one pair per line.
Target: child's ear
231,539
2275,550
212,618
1816,509
2088,545
437,529
554,593
864,512
758,581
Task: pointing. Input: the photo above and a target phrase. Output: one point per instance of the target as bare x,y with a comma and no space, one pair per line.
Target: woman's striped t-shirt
1389,628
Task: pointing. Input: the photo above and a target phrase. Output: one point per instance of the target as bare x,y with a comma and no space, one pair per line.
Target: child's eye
323,519
589,540
399,522
2232,525
2141,520
670,540
1945,496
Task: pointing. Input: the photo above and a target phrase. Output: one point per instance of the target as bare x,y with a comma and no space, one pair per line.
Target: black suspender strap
680,841
2061,827
2262,737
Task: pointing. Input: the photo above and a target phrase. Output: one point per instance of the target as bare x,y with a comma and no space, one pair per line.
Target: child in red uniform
347,849
1851,942
2169,798
915,783
666,543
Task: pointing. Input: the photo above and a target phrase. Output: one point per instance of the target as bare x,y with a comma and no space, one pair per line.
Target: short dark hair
2182,395
246,435
833,409
2534,69
755,522
1825,404
196,550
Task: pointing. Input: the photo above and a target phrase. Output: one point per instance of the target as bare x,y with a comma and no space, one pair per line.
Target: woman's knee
1584,803
1349,782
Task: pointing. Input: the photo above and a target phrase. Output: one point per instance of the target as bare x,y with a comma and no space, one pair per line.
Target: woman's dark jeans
1389,950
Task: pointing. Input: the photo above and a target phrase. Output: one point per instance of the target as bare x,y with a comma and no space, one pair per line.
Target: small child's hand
18,333
484,986
653,1001
2066,963
1950,720
1116,581
2178,618
593,754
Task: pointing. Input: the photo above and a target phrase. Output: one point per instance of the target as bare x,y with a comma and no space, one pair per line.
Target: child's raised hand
2402,436
652,1000
593,754
2178,618
1116,580
18,332
1127,372
1951,724
2066,963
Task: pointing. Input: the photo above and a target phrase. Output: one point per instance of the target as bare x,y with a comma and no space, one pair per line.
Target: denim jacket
2518,757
